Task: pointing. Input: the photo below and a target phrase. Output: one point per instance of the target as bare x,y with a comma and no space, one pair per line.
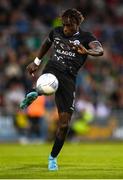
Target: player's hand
32,68
80,49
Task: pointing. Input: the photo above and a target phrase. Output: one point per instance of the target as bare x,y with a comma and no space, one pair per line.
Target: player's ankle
52,157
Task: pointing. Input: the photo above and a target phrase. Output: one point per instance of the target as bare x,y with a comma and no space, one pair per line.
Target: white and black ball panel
47,84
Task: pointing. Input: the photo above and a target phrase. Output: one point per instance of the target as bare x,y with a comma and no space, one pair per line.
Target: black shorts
65,94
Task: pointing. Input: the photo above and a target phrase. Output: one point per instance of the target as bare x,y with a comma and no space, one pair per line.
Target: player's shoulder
85,33
58,29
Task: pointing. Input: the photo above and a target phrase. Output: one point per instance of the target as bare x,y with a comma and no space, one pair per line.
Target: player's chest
63,43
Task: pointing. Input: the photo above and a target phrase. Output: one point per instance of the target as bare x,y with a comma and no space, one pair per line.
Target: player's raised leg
46,84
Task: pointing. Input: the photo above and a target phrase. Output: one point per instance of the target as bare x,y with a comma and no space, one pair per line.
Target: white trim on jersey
76,33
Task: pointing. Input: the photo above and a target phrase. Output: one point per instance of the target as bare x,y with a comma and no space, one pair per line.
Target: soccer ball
47,84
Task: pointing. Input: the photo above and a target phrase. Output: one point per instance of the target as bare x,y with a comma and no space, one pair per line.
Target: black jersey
64,58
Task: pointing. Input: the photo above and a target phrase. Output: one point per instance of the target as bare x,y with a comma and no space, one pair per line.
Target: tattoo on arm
95,48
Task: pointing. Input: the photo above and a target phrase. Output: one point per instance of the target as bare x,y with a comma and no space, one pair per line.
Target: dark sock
57,147
34,90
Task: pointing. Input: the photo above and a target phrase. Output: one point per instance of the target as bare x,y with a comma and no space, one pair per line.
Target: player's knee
63,125
64,117
64,120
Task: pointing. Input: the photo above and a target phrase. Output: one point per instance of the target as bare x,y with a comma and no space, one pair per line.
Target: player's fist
81,49
32,68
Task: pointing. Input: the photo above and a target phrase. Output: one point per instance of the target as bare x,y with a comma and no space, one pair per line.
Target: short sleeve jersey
63,56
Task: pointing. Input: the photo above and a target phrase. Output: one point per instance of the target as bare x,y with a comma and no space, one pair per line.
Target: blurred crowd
23,26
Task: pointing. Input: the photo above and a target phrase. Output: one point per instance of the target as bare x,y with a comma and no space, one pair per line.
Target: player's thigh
64,96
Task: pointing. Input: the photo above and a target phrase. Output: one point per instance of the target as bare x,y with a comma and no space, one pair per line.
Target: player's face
69,28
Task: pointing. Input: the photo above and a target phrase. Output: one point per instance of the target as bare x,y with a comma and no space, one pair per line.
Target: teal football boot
52,164
30,97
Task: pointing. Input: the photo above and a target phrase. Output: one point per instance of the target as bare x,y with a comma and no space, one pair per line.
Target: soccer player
71,46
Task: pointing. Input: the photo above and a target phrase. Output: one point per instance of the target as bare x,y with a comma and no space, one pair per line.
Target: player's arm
33,66
44,48
95,49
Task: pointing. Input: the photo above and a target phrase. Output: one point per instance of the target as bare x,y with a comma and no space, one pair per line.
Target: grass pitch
79,161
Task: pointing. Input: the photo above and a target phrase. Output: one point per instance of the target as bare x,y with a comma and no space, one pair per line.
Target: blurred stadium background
99,102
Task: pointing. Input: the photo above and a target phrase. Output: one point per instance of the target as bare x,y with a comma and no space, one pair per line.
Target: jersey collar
76,33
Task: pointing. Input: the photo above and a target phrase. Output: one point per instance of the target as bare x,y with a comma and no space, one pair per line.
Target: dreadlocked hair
73,14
